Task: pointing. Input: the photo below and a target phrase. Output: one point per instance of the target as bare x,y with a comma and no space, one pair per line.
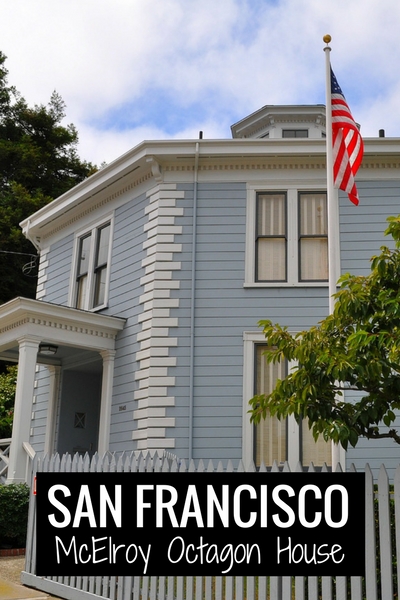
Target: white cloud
165,68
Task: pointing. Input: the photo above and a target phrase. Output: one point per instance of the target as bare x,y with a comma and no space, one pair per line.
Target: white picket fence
380,582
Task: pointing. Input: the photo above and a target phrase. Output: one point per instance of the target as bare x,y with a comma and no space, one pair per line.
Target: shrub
14,503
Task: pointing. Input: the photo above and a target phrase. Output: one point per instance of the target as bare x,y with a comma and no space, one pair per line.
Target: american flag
348,146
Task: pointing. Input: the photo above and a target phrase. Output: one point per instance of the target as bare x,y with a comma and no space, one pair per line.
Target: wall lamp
48,349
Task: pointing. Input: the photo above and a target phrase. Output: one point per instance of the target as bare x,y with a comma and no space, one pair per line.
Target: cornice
25,311
55,324
92,207
152,159
316,163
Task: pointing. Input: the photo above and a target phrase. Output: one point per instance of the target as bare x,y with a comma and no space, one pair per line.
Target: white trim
108,357
250,338
153,377
54,389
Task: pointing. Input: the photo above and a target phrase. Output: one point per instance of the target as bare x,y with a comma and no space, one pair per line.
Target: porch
32,333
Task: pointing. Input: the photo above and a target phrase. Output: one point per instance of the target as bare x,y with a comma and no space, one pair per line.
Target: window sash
92,268
313,236
83,270
270,435
271,237
100,267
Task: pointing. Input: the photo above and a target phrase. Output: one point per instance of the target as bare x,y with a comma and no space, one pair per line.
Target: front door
78,420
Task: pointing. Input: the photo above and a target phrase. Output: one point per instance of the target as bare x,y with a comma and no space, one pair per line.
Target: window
295,133
274,440
286,238
92,268
313,237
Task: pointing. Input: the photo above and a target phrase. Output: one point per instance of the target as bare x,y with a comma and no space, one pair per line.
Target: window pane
100,287
84,254
271,259
271,214
81,292
319,452
313,214
102,245
314,259
270,434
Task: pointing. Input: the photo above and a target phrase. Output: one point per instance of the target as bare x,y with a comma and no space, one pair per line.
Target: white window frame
250,339
292,257
91,229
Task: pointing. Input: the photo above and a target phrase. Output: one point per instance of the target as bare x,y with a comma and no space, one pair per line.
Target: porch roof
55,324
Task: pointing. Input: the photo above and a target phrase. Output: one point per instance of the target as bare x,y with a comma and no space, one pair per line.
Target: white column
28,348
54,371
106,399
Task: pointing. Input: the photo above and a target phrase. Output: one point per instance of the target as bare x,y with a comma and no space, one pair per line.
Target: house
154,273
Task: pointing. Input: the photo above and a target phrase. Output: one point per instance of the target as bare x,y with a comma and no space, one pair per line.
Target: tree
8,382
355,350
38,162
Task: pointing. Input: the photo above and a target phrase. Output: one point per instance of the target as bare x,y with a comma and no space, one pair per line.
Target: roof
151,160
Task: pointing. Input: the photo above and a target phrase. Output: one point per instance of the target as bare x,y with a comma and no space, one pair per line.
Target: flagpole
332,192
333,212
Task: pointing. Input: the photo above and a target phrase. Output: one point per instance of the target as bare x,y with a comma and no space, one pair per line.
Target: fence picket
397,522
262,587
228,588
286,588
326,588
341,588
385,544
370,537
313,588
239,588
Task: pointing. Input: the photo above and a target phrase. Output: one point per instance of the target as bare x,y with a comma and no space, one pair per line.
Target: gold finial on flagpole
327,38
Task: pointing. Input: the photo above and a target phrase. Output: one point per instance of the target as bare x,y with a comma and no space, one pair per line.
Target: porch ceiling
60,325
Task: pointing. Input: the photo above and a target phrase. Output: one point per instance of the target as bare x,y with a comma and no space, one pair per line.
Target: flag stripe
348,147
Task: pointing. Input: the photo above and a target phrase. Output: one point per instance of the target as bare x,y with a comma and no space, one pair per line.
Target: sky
134,70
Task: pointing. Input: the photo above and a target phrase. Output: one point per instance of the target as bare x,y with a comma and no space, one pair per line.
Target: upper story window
93,251
287,238
295,133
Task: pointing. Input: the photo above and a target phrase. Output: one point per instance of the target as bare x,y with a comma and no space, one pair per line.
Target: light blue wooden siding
362,227
58,271
224,309
125,291
40,409
362,235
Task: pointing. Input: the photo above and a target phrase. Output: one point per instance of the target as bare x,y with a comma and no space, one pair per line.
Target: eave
143,161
